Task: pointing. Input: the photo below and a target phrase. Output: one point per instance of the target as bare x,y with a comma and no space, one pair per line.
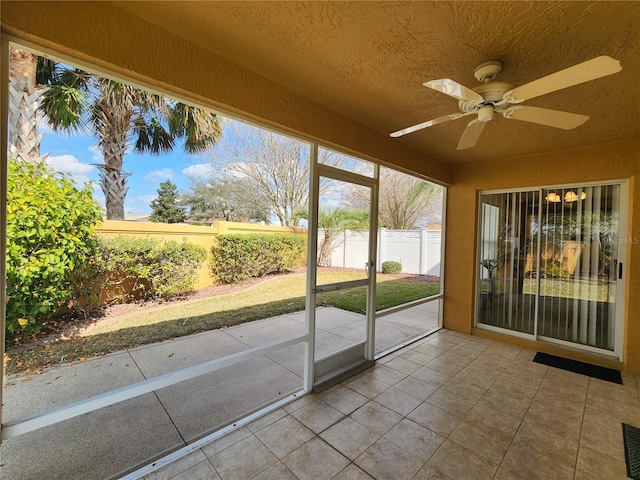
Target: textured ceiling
368,60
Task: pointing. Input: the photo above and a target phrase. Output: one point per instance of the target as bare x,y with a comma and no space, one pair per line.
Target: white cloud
96,154
70,164
199,170
164,174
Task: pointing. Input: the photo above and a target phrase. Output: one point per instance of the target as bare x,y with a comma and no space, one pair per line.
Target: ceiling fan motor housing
492,93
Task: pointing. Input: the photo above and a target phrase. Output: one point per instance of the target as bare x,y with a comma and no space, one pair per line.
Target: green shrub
554,270
391,267
50,238
129,268
237,257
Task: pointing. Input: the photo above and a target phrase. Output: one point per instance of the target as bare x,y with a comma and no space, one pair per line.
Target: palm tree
122,117
24,100
332,221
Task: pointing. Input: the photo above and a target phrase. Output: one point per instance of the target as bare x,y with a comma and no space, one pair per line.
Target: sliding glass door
549,264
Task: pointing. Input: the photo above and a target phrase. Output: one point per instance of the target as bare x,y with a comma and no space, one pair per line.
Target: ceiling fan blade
454,89
430,123
583,72
545,116
471,134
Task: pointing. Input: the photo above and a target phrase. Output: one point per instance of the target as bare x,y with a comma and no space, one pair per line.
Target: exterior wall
591,164
108,39
202,236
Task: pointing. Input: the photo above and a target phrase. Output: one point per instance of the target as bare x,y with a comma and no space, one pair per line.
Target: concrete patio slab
95,446
207,403
108,442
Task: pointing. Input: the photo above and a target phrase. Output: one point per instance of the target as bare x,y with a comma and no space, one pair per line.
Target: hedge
50,238
129,268
237,257
391,267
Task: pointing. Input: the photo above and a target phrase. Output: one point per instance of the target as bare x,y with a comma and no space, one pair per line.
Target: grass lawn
274,296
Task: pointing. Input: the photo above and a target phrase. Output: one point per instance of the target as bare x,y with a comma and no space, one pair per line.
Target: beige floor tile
398,401
367,386
465,389
624,409
435,419
538,454
453,462
315,460
268,419
384,374
414,439
445,366
284,436
202,471
509,398
301,402
225,442
376,418
178,466
384,460
531,464
417,357
596,465
451,402
444,342
245,459
486,432
554,421
344,399
562,446
603,433
318,416
430,350
627,392
434,377
352,472
561,404
349,437
277,471
403,366
504,474
484,442
417,388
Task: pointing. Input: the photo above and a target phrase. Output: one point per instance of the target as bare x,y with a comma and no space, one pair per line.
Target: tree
122,117
404,202
331,222
229,198
24,101
274,165
166,208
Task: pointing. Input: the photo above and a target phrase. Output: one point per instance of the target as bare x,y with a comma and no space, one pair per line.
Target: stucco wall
604,162
99,34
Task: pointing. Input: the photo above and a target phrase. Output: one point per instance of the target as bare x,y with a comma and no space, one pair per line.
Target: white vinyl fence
417,250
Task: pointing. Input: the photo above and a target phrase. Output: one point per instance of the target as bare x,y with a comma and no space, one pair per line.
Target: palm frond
200,129
152,137
64,107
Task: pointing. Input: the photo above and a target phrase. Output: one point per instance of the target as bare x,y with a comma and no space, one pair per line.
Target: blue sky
78,154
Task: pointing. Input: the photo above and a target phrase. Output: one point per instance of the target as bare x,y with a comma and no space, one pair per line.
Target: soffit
368,60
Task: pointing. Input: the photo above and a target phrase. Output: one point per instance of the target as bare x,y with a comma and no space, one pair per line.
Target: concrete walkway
123,437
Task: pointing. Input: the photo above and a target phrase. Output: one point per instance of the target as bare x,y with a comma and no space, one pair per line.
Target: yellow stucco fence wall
198,235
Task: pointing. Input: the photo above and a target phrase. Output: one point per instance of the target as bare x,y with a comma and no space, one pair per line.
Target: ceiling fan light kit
493,96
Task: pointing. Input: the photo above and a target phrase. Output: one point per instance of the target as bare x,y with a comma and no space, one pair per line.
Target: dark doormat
631,437
608,374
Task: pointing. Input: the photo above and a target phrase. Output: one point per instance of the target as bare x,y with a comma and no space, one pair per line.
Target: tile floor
451,406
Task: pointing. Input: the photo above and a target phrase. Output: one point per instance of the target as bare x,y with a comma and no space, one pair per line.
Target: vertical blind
548,263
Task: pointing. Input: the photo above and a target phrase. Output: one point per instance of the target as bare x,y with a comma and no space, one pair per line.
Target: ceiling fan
500,97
